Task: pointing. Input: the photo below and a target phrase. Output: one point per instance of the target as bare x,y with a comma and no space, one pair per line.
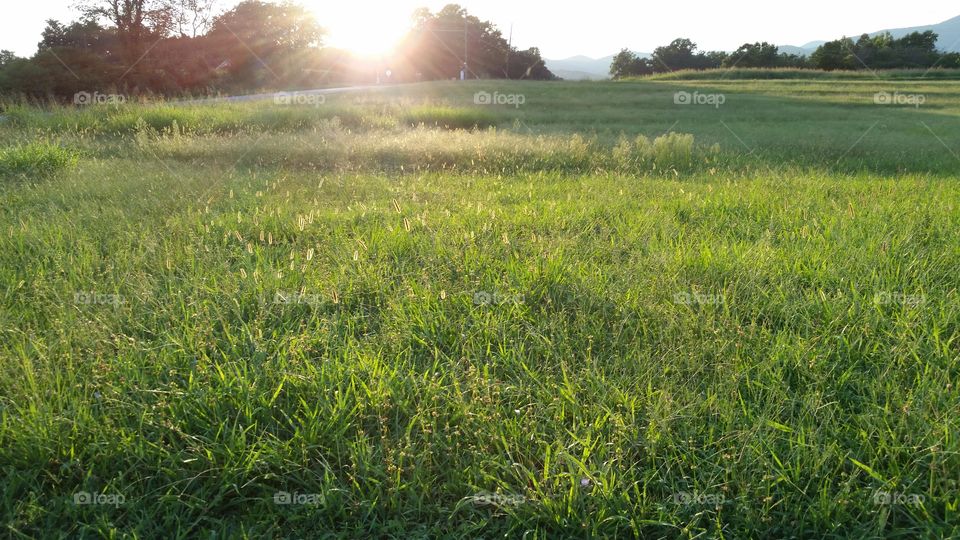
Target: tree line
883,51
177,47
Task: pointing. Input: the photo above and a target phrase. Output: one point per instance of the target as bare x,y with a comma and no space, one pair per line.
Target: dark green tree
627,64
682,54
834,55
135,22
753,55
86,34
6,58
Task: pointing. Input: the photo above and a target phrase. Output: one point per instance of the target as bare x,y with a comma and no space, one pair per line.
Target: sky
562,29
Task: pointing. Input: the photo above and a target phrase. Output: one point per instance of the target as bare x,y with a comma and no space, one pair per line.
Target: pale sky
565,28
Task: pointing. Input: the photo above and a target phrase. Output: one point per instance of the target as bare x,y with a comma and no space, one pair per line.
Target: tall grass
425,149
448,117
607,316
197,119
36,159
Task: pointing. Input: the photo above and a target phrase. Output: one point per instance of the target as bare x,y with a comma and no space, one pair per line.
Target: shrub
36,159
673,150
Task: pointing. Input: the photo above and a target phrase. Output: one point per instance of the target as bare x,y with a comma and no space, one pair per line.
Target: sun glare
364,28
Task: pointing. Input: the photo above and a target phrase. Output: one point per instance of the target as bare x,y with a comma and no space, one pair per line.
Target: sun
362,27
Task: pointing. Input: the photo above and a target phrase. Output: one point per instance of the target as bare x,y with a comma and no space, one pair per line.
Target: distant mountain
583,68
800,51
570,75
948,32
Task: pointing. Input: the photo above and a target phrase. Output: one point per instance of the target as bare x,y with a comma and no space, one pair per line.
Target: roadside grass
528,329
191,119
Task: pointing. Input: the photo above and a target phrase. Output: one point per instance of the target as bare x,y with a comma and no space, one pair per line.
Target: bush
36,159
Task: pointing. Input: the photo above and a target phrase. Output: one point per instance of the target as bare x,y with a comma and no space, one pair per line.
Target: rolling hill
583,68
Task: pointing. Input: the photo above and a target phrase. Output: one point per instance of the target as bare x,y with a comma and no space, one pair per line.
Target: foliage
262,44
441,45
680,54
628,64
915,50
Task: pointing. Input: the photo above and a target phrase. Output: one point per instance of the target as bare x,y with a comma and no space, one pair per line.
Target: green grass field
402,314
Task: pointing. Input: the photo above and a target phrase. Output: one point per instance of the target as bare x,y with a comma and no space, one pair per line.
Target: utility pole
509,50
465,69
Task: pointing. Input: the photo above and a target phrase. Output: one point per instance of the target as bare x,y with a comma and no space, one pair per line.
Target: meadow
618,309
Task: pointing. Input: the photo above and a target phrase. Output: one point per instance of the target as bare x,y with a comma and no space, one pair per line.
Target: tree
682,54
675,56
950,60
441,45
882,51
260,42
266,27
710,60
627,64
61,72
753,55
86,34
6,58
918,49
834,55
191,18
528,64
792,61
134,21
